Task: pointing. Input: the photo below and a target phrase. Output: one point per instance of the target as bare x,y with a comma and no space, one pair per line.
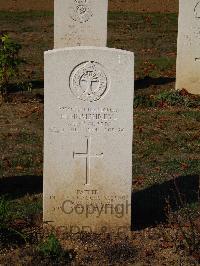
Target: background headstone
88,138
80,23
188,54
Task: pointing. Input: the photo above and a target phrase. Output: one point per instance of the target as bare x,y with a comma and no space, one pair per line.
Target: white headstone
88,138
80,23
188,54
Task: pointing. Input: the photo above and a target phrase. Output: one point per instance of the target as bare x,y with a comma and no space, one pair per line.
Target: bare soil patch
114,5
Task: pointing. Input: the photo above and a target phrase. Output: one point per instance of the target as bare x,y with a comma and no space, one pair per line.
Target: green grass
27,207
150,36
21,16
166,142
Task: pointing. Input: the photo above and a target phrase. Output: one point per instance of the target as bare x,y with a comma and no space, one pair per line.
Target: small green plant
51,247
171,98
168,98
9,62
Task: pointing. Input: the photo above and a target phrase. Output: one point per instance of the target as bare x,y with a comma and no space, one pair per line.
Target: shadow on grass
148,206
39,84
18,186
148,81
36,84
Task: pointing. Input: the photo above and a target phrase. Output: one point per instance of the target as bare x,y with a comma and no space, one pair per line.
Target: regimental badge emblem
81,11
88,81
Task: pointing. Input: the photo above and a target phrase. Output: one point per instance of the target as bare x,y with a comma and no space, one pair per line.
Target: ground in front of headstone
166,147
162,150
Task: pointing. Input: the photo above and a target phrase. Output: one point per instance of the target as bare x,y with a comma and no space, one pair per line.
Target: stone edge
88,48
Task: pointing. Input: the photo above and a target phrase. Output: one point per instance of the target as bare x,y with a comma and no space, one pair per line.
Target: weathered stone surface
88,138
188,55
80,23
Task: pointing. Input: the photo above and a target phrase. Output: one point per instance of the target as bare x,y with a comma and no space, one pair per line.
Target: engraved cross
87,156
89,79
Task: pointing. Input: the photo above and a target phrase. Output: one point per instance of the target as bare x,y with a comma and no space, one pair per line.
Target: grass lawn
166,147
